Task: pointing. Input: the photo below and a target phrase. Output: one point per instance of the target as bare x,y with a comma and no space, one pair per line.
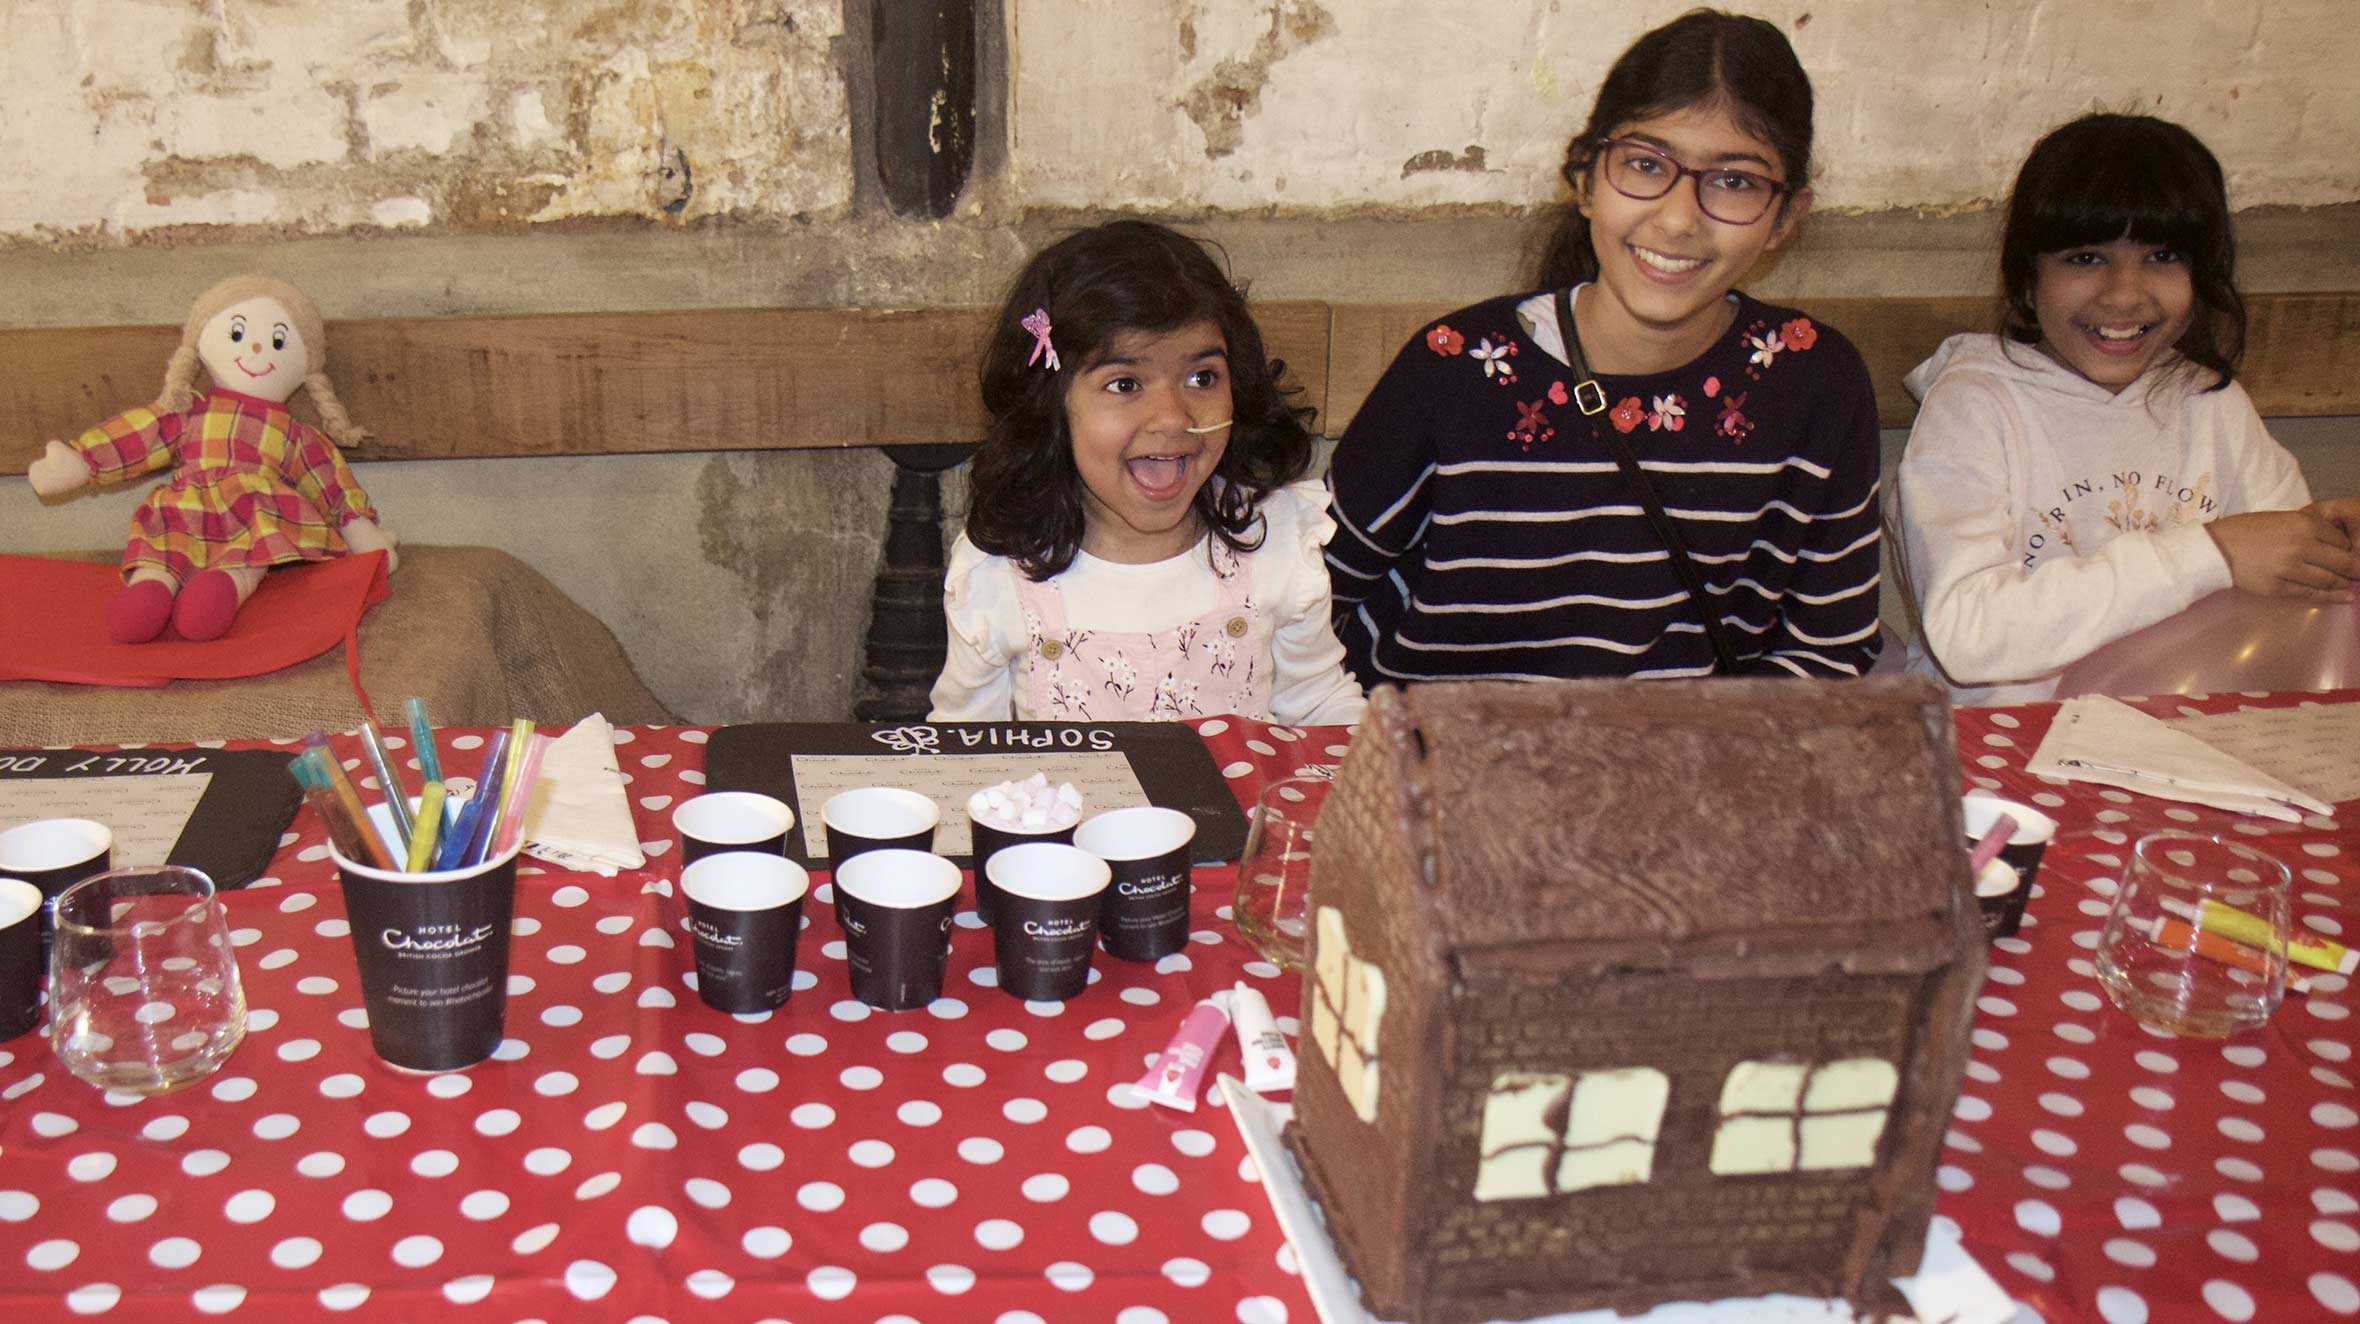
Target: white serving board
1948,1286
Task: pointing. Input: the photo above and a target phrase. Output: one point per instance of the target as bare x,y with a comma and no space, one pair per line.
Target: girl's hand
2344,513
58,470
2289,553
362,536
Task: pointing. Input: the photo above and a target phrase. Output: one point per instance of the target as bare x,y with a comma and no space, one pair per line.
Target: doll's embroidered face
254,348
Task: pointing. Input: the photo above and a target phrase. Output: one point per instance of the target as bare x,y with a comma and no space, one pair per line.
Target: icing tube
1270,1064
2230,922
1178,1073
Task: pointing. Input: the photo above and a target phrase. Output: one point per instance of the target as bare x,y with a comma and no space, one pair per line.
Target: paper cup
745,915
53,854
21,908
895,906
989,841
720,821
433,955
877,818
1047,925
2003,910
1145,916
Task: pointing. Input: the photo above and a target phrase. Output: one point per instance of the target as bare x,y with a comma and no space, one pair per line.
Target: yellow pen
2254,931
429,826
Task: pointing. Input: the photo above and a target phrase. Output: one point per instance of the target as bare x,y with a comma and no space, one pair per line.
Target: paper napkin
2102,740
580,816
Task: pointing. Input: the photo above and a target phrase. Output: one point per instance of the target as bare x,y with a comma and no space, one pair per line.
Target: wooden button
1051,649
1237,627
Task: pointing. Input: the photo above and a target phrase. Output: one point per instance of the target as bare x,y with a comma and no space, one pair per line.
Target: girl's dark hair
2106,177
1024,493
1702,58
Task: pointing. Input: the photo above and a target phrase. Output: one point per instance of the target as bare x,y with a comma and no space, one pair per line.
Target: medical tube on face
1175,1078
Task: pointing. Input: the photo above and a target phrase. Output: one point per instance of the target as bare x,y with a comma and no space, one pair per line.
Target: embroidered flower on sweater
1444,341
1532,425
1669,414
1766,349
1494,358
1628,415
1557,395
1799,334
1712,387
1733,423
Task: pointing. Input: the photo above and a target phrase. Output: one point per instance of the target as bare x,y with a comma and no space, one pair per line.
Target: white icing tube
1270,1064
1176,1076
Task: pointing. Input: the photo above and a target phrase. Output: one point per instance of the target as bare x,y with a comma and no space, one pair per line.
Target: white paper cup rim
1048,871
733,817
898,879
380,818
53,843
1140,832
19,900
879,812
744,880
1981,811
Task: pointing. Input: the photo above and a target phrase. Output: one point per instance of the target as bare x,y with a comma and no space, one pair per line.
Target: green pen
422,736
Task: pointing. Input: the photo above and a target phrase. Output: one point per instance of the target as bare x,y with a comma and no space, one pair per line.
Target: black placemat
235,827
1169,759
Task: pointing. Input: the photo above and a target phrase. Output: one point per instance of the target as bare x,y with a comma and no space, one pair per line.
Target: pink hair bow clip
1037,322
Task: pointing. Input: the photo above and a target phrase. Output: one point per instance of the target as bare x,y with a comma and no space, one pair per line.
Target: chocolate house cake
1634,992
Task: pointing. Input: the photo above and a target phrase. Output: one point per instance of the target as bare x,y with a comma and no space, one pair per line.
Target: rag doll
250,488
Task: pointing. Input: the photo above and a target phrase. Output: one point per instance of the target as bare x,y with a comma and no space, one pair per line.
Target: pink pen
520,795
1989,847
1175,1077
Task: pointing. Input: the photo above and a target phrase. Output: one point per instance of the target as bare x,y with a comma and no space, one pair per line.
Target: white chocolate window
1347,1009
1803,1117
1546,1133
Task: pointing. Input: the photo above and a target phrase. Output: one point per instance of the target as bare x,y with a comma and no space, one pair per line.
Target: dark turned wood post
922,75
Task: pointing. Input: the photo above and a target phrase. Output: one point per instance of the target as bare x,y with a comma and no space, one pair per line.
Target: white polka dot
175,1253
860,1078
2120,1305
950,1279
1186,1272
323,1163
386,1125
1024,1112
2146,1137
2237,1169
1114,1229
2054,1142
757,1080
483,1206
131,1208
1141,1315
2338,1237
533,1240
1226,1224
654,1135
767,1243
588,1280
980,1150
870,1153
199,1163
416,1252
2047,1178
468,1290
171,1126
1089,1140
1006,1040
652,1226
2232,1245
884,1238
249,1206
2335,1292
918,1112
1192,1142
2228,1300
435,1163
296,1253
367,1205
820,1197
2239,1128
2334,1116
906,1041
218,1298
50,1256
998,1234
547,1161
2037,1217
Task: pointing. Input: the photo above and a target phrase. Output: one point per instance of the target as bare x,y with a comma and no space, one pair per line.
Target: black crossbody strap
1591,399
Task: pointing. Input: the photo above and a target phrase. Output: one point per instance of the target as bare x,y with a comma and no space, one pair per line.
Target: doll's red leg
137,611
210,603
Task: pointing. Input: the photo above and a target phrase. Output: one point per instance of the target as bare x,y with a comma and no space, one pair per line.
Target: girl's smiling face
2109,311
1129,413
254,348
1664,266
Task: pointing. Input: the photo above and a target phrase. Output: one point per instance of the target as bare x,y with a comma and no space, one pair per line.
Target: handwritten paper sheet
2315,747
1105,780
145,812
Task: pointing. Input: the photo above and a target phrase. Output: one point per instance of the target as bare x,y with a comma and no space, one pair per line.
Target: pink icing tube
1178,1073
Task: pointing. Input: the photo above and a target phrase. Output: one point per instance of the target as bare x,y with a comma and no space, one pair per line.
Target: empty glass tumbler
144,993
1275,873
2195,943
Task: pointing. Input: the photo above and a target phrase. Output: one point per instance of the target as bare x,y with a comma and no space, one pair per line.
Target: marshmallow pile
1027,806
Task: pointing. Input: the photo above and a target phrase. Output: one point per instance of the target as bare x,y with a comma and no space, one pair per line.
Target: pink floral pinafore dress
1213,664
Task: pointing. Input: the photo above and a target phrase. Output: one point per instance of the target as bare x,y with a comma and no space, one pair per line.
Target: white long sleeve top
1309,685
2043,516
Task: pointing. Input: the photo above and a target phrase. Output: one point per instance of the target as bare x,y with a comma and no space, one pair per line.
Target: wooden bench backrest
791,378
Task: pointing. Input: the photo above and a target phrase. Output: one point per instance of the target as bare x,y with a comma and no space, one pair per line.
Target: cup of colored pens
431,898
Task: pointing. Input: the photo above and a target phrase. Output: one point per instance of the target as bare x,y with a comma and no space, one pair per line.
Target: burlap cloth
482,637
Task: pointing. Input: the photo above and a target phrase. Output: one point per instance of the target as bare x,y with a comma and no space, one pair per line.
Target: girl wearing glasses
2096,467
1494,491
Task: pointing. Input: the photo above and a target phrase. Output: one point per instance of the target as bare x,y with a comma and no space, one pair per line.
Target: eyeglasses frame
1778,188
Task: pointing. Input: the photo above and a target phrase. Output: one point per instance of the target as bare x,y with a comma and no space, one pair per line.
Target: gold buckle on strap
1590,398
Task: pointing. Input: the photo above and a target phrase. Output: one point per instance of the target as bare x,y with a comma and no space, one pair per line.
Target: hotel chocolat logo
852,923
436,939
1057,928
1154,884
709,933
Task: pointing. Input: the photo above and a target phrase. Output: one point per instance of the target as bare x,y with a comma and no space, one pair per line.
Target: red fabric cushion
52,623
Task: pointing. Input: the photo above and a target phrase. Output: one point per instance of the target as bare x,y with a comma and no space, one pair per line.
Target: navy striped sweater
1486,533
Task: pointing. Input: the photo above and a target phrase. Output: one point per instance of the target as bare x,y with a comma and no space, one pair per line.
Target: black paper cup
745,915
720,821
989,841
1145,917
53,854
895,906
2003,911
877,818
1047,925
21,907
433,955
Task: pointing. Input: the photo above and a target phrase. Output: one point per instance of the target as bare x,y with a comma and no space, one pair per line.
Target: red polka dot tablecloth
630,1155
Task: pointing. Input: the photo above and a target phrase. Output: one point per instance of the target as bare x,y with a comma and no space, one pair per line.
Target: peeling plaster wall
135,118
1236,104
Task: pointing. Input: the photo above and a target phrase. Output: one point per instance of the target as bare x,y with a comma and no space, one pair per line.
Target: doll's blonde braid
338,424
180,374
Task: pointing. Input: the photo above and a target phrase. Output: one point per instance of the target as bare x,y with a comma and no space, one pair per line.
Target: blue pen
453,852
422,737
495,771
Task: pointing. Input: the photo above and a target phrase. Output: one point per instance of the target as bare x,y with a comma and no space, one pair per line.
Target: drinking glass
144,993
2196,941
1275,873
